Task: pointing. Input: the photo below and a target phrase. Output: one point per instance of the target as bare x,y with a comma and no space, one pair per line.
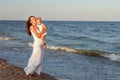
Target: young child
43,30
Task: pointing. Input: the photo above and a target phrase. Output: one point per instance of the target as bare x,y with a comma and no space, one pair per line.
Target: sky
72,10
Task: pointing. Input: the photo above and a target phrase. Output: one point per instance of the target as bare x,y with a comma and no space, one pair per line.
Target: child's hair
39,18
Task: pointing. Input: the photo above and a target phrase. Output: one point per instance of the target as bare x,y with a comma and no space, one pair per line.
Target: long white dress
34,63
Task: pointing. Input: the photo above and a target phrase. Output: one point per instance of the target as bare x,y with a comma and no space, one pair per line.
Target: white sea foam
30,44
113,57
6,38
62,79
67,49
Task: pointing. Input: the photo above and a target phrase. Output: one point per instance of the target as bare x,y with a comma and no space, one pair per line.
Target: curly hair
28,24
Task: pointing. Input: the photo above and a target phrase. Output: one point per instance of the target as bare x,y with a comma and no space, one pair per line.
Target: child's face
38,20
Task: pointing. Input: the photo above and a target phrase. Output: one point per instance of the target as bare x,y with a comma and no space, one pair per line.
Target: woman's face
33,20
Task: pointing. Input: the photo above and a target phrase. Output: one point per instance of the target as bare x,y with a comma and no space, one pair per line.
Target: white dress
34,63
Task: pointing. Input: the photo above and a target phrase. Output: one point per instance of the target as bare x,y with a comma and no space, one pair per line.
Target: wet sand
11,72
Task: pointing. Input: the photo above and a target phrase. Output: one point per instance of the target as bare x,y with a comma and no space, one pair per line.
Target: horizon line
66,20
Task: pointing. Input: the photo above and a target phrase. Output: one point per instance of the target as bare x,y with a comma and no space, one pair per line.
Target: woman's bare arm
35,32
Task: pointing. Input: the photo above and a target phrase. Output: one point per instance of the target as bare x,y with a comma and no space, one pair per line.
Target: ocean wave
111,56
6,38
30,44
67,49
78,51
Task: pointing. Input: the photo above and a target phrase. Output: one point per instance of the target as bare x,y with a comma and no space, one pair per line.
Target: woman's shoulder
31,28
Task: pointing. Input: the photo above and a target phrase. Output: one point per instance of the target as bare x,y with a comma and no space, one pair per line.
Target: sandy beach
11,72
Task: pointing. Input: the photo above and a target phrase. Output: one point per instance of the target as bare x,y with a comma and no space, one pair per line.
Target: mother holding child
37,29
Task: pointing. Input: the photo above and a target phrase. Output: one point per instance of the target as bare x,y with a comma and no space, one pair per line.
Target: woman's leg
38,69
33,61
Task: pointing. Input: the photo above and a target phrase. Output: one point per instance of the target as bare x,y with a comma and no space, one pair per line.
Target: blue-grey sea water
87,35
102,36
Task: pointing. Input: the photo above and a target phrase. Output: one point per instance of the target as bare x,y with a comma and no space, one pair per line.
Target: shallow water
69,66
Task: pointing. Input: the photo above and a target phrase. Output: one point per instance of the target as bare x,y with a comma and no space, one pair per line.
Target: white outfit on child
41,28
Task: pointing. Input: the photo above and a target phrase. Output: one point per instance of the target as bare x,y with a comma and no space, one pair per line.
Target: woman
34,63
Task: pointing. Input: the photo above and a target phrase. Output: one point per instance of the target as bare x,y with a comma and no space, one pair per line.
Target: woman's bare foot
29,75
39,77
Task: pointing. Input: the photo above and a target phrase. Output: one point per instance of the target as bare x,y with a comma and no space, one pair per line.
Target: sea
63,39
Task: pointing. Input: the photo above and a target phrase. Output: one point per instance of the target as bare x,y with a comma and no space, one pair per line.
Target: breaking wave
30,44
78,51
6,38
111,56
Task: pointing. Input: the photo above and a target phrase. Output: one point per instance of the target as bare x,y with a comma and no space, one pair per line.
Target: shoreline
11,72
